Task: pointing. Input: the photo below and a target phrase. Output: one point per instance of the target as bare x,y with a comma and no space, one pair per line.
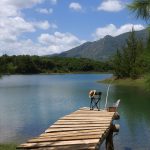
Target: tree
133,51
117,64
127,63
24,64
141,8
11,69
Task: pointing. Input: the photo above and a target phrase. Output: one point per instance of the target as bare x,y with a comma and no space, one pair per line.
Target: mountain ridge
104,48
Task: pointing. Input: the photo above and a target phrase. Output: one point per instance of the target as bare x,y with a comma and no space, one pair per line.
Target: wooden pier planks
82,129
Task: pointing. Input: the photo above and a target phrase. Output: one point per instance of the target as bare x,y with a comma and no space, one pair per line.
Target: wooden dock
83,129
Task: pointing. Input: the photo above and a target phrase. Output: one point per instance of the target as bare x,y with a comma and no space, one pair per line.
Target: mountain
104,48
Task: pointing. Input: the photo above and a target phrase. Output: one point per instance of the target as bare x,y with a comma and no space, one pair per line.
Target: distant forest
25,64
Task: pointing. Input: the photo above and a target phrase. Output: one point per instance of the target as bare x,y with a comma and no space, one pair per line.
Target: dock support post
109,138
109,141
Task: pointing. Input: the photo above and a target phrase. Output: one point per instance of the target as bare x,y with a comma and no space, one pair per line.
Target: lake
29,104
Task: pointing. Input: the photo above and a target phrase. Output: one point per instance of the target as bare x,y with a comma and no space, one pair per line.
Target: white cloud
112,30
129,27
23,47
22,3
13,7
45,11
8,10
13,25
48,44
11,28
59,42
111,6
42,25
44,38
75,6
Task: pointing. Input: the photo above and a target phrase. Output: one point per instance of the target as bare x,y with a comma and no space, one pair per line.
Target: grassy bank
8,146
141,82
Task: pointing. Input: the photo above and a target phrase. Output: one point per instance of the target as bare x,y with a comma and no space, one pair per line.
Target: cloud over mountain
112,30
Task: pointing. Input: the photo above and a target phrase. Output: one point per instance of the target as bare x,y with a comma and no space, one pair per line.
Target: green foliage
128,62
8,146
147,77
141,8
25,64
118,64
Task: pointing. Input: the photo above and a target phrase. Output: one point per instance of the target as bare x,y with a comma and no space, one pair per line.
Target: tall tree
141,8
117,65
128,62
134,50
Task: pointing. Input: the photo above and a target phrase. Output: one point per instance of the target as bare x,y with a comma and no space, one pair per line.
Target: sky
44,27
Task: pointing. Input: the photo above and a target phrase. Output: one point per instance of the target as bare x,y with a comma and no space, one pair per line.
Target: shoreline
140,82
61,73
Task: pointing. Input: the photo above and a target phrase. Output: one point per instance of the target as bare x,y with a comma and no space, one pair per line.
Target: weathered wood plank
81,122
91,112
74,147
59,143
88,109
80,125
66,133
85,118
69,135
61,138
90,115
74,129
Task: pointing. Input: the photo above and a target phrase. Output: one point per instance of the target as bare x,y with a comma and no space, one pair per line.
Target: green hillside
104,48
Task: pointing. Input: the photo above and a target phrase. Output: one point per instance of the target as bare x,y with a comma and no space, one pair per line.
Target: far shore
140,82
61,73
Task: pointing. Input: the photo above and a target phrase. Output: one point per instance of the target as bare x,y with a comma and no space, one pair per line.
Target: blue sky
41,27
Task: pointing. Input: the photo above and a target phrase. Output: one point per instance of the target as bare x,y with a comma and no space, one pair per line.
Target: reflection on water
135,118
29,104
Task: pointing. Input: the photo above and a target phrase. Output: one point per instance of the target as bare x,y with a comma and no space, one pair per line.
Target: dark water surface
30,103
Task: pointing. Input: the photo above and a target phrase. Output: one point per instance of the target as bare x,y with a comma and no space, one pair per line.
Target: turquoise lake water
29,104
